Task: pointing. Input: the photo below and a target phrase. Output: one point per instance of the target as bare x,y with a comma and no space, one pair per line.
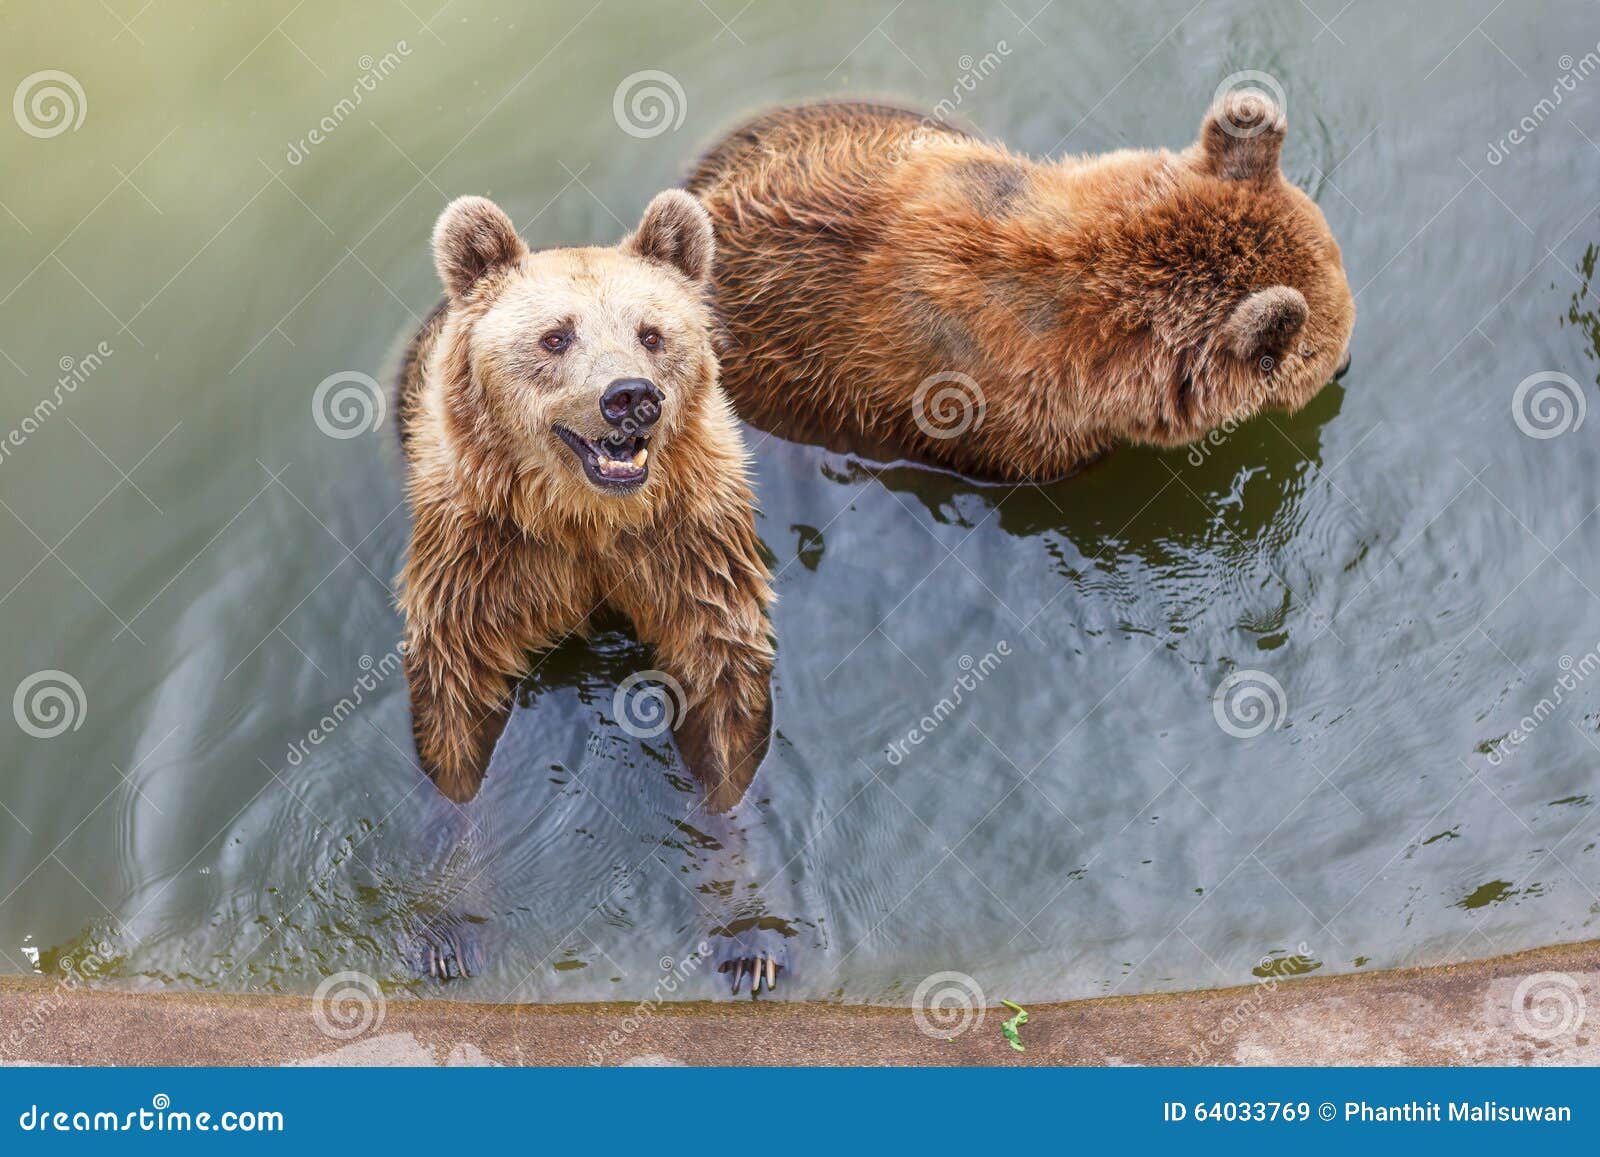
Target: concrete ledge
1463,1014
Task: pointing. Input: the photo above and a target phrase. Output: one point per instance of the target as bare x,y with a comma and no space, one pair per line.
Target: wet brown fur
863,249
513,549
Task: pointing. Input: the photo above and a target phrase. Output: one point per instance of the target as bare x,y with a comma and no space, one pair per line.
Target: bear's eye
556,340
650,338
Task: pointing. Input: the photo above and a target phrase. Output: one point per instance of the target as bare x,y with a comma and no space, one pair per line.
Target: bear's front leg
457,711
477,599
723,737
700,597
473,598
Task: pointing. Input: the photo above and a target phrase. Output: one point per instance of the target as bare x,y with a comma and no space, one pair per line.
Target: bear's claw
758,955
450,950
760,969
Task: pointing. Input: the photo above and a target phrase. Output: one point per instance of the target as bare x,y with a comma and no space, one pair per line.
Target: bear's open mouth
621,462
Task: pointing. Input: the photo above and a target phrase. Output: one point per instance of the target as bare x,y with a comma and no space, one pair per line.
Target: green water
181,538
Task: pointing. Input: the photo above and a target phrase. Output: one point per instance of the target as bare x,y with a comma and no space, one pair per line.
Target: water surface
234,803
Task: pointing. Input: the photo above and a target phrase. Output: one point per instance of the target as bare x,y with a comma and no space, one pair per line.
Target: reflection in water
1274,453
1584,312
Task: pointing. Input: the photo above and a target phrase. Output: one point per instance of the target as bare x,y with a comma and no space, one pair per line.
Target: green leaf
1010,1027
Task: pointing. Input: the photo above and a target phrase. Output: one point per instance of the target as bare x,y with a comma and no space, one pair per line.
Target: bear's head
569,373
1230,277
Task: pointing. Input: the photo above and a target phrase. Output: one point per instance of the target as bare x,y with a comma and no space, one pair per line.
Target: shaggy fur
513,547
1142,295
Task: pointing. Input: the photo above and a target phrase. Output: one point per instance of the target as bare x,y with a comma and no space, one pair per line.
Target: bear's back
789,132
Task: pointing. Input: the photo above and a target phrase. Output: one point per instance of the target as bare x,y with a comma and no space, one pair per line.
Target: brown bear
902,288
568,450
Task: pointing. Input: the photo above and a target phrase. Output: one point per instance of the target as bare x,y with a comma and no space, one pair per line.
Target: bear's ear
1241,137
473,237
1263,324
676,231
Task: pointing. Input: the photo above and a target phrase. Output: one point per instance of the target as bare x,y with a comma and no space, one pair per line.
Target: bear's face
1233,276
581,366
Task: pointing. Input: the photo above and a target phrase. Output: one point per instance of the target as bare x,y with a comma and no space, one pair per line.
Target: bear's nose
1344,367
634,403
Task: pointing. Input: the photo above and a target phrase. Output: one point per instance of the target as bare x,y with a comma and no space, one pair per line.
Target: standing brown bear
569,449
927,294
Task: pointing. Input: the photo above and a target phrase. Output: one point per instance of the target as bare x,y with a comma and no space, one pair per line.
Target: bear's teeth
639,458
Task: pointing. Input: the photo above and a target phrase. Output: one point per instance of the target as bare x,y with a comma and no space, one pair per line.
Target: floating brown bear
568,449
906,289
